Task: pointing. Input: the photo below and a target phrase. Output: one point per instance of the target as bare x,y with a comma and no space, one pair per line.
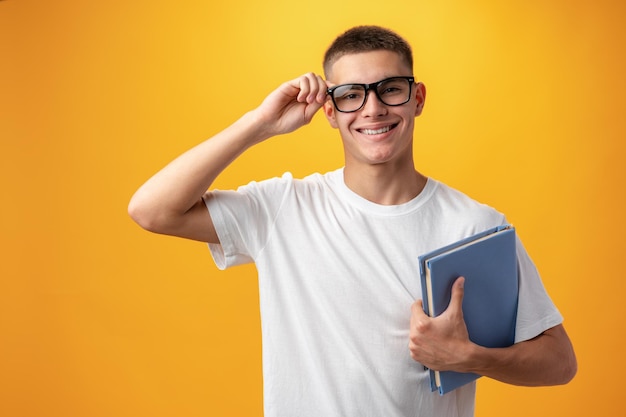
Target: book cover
488,261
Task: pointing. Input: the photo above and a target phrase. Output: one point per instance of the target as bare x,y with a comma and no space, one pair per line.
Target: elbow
570,368
567,365
145,215
571,363
563,357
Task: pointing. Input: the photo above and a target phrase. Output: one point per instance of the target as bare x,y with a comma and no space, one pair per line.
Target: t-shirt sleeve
536,312
244,218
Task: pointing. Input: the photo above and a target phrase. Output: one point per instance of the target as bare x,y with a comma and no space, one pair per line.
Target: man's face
376,133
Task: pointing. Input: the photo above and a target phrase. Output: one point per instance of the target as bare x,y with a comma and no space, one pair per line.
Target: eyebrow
374,82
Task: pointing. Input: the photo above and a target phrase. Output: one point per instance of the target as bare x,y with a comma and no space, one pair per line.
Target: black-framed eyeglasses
394,91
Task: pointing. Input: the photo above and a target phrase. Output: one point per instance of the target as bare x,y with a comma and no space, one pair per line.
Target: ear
330,112
420,97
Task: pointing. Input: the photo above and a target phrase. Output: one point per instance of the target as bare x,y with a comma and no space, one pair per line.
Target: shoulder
459,205
287,180
277,190
319,181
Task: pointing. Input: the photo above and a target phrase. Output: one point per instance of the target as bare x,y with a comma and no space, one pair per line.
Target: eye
348,93
390,90
351,96
392,87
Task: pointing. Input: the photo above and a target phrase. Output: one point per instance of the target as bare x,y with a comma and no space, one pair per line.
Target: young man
336,253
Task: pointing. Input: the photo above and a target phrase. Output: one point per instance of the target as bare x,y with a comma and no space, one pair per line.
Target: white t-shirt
337,277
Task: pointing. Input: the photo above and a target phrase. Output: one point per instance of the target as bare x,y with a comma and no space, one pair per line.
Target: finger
311,109
322,88
418,309
458,291
304,84
317,88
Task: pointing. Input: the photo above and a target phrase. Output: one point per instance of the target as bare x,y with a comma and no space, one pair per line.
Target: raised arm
171,201
442,344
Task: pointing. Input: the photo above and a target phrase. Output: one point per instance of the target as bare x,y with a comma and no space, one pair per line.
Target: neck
383,184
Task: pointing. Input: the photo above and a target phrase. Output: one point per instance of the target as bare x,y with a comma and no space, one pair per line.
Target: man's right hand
292,105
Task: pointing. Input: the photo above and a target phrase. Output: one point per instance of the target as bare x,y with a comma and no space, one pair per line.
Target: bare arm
547,359
171,201
442,343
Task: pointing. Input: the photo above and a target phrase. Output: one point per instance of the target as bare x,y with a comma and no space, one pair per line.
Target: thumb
310,111
458,291
418,308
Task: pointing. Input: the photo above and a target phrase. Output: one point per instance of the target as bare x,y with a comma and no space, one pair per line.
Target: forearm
548,359
178,187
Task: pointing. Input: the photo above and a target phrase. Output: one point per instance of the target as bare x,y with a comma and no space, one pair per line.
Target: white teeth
377,131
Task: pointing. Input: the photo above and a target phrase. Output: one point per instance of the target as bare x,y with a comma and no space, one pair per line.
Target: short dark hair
366,39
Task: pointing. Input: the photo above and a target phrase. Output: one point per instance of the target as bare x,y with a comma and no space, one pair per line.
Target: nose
373,106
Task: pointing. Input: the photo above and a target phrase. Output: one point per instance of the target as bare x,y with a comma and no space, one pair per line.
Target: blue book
488,261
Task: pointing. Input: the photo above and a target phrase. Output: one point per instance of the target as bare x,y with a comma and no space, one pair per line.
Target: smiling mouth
377,131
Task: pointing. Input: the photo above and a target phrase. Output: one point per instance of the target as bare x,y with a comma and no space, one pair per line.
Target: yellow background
525,111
